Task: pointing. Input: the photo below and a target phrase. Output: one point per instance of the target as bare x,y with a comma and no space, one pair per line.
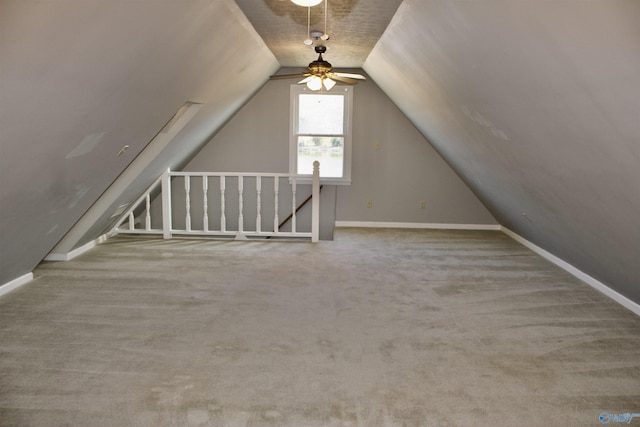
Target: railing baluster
147,219
315,203
293,205
187,202
132,223
240,205
259,204
205,203
167,223
223,220
276,193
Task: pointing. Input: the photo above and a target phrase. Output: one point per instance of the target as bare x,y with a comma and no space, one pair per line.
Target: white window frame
347,91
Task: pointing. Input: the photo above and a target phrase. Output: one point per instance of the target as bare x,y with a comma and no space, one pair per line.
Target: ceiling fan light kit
306,3
328,83
315,83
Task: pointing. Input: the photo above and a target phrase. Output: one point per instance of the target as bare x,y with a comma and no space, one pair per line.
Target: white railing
226,214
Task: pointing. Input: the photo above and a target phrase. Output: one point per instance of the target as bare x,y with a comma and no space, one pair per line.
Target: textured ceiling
354,27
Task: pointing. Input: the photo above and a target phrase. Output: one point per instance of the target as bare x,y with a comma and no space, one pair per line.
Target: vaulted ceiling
536,105
353,26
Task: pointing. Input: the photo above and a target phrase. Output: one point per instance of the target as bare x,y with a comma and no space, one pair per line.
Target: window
321,130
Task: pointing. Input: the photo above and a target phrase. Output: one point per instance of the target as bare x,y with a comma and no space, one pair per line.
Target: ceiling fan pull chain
308,40
325,36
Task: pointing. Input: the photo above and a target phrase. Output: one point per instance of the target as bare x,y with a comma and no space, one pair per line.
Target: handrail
244,174
126,223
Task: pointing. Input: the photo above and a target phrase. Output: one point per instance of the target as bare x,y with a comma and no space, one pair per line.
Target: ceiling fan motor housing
320,66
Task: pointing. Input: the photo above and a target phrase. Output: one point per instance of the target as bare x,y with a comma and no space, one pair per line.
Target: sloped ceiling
537,106
354,27
80,79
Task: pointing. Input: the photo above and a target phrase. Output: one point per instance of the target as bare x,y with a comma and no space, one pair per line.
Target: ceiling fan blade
346,80
351,76
286,76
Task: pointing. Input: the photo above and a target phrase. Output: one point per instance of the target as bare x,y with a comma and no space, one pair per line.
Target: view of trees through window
320,134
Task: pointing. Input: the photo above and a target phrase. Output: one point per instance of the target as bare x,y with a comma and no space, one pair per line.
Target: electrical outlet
369,203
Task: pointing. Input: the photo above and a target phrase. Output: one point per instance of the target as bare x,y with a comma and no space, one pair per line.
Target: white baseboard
594,283
421,225
76,252
15,283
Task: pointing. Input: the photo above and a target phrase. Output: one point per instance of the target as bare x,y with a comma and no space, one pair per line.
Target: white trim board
76,252
594,283
15,283
417,225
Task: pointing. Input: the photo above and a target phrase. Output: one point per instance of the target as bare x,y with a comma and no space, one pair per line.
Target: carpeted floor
377,328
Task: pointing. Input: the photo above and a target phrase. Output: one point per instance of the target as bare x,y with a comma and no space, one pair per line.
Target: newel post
166,204
315,203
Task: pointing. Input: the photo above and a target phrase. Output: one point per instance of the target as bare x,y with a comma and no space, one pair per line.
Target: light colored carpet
377,328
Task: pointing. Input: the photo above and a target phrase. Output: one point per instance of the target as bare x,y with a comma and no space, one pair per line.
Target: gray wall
404,171
81,79
537,106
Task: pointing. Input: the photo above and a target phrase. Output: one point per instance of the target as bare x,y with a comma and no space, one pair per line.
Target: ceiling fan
319,74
